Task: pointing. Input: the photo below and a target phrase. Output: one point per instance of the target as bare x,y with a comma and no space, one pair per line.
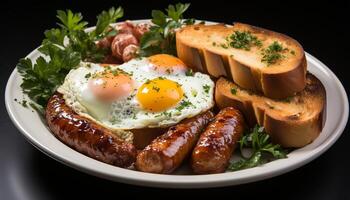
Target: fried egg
157,91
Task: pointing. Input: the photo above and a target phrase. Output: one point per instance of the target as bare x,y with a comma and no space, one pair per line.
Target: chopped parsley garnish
178,84
194,93
262,147
243,40
206,88
88,75
165,113
184,104
148,81
233,91
224,46
23,102
118,71
156,88
292,52
115,72
189,72
273,53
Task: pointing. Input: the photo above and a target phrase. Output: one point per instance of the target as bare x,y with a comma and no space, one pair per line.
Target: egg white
126,113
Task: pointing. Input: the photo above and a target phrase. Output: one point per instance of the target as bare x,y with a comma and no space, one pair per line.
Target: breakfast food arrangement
155,96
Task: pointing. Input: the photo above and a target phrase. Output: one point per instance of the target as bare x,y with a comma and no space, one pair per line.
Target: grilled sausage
141,29
125,27
121,41
105,43
86,136
110,59
130,52
216,145
166,152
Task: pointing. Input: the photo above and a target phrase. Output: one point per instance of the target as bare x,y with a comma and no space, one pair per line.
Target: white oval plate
35,130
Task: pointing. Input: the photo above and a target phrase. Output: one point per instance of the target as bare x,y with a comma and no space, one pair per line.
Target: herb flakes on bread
254,58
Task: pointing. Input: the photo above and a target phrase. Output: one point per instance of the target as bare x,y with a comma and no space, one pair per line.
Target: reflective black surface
26,173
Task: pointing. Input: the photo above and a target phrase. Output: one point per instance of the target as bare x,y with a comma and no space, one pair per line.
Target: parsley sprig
262,148
161,37
64,48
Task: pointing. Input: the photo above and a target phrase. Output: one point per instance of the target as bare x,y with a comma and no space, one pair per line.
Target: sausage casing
216,144
167,151
86,136
121,41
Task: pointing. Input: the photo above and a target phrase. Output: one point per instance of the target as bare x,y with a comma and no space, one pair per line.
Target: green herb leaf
276,150
176,12
260,142
88,75
41,80
233,91
151,39
42,77
158,17
190,21
106,18
206,88
252,161
55,36
161,37
184,104
71,21
82,42
189,72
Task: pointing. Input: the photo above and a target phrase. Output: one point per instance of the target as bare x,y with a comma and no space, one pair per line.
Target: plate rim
187,181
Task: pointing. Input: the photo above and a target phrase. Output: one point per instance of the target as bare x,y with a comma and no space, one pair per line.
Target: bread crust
295,124
276,81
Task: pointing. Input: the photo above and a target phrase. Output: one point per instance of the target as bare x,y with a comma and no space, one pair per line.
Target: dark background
26,173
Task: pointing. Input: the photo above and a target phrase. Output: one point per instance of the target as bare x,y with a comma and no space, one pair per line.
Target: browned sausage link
130,52
121,41
166,152
141,29
86,136
216,145
125,27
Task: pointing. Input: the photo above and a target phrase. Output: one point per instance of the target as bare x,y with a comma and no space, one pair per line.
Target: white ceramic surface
35,130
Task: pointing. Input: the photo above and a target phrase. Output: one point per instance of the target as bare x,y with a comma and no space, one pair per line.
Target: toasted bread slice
207,49
293,122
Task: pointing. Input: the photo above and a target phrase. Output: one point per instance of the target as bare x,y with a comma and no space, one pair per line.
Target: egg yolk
159,94
108,86
167,64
